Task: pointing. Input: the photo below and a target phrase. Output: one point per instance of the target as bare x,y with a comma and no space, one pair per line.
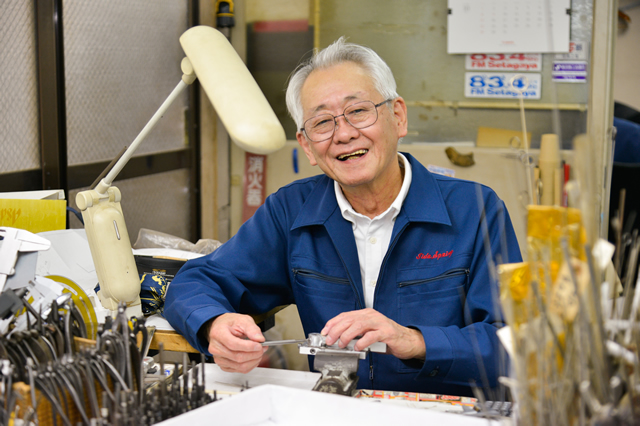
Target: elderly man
376,248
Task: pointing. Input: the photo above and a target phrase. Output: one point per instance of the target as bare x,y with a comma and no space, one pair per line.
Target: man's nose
344,131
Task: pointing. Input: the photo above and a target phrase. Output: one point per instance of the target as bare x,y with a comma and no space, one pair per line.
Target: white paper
220,380
578,51
70,257
167,252
159,322
276,405
508,26
603,252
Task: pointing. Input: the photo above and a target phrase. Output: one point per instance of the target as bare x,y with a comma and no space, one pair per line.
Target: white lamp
245,113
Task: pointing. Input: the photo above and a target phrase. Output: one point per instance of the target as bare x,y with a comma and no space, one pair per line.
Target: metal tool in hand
338,366
283,342
317,343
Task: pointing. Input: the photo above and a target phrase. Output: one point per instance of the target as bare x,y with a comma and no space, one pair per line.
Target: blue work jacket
436,276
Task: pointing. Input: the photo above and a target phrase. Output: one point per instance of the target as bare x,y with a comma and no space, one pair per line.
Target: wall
411,36
276,10
626,86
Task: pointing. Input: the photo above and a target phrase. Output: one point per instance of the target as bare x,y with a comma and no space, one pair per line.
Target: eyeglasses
360,115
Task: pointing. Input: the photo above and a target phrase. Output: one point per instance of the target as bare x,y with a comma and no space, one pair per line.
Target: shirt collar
349,213
424,201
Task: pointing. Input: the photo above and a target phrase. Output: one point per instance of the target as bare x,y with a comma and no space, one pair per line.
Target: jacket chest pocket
432,297
318,282
320,296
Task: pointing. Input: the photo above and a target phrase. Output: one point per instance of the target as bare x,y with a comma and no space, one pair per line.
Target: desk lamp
245,113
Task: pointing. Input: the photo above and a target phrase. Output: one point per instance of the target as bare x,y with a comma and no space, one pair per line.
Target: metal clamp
317,344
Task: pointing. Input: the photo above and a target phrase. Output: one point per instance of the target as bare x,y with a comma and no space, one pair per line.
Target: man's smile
352,155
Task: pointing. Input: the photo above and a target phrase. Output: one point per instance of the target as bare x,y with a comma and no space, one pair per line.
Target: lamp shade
235,95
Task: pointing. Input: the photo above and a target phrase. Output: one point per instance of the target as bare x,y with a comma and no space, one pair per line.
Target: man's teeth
354,154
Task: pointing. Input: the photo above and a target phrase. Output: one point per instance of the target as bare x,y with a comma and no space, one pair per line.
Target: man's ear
304,143
400,114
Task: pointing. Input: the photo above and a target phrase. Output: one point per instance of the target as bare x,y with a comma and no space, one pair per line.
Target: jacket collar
424,202
321,203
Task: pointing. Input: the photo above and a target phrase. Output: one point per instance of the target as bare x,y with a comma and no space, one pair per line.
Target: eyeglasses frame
335,120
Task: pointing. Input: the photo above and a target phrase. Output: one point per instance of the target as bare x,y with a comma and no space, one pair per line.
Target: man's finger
243,345
237,355
337,320
236,332
368,339
336,332
351,325
254,333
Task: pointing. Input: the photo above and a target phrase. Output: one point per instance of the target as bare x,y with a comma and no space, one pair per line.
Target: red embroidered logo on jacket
436,255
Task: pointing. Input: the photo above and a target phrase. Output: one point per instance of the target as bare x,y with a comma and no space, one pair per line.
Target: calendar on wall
508,26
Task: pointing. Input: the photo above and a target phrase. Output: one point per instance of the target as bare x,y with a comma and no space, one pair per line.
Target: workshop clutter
148,238
53,374
574,357
157,271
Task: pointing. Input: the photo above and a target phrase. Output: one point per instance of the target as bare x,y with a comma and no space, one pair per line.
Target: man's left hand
372,326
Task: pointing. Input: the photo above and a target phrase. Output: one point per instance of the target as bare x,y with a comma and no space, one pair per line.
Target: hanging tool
224,17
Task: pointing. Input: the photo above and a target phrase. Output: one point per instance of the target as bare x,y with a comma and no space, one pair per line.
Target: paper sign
502,85
569,72
578,51
508,26
504,62
255,183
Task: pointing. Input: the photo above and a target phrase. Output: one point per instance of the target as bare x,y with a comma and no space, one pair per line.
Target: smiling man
376,247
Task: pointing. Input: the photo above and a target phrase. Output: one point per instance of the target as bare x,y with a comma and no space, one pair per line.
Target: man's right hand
234,342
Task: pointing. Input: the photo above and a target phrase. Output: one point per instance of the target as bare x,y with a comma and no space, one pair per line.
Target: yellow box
33,215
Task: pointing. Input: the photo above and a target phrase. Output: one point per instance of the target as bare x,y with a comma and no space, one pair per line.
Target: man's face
374,148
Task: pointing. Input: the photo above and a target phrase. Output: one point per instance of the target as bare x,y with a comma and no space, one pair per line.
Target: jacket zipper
323,277
384,261
449,274
375,292
353,287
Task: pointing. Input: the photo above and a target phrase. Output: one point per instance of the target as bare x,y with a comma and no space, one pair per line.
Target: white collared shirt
373,235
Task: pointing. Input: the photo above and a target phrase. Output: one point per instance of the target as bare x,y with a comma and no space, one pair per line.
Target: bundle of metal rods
101,384
575,329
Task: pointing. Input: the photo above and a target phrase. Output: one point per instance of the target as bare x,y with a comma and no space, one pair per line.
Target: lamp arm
106,182
242,108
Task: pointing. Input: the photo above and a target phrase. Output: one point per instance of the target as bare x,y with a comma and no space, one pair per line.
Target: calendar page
508,26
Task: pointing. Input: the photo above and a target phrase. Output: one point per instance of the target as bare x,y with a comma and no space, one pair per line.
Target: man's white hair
338,52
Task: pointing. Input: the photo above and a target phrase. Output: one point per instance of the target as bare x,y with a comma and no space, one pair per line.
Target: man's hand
234,342
372,326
